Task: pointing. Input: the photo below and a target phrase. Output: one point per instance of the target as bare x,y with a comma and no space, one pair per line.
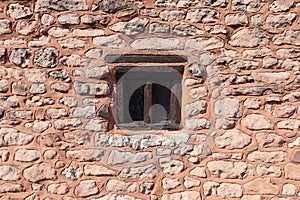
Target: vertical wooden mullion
175,108
120,102
148,101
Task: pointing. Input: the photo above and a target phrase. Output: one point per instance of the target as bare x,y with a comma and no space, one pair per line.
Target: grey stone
224,124
165,3
244,5
170,183
60,75
185,29
65,124
252,91
27,155
5,26
94,53
58,87
281,5
3,55
87,32
85,155
273,171
191,182
58,188
284,111
40,172
281,20
96,19
290,37
72,172
172,15
156,43
25,27
233,139
216,29
74,60
18,11
11,188
113,6
289,189
195,108
228,107
228,170
239,19
218,3
249,38
97,125
95,170
296,156
9,173
85,112
171,166
47,57
289,124
19,88
262,186
38,88
10,136
147,171
38,126
257,20
21,114
267,157
47,19
149,12
203,44
257,122
292,171
146,187
4,86
58,32
269,140
20,57
257,53
197,124
288,53
183,149
35,75
60,5
111,41
229,190
73,43
86,188
120,157
69,101
191,195
133,27
91,89
120,186
97,72
187,3
37,101
202,15
157,27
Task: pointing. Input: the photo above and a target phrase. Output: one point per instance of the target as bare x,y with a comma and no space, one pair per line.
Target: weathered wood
175,107
142,58
148,101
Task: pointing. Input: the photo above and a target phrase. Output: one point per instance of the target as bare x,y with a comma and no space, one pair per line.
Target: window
148,97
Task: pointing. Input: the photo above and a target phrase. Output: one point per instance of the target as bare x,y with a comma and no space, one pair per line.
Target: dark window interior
149,98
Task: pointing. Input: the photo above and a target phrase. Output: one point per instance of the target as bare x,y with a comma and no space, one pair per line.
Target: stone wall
240,106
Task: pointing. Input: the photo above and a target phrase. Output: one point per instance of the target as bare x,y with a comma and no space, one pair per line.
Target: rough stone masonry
240,136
